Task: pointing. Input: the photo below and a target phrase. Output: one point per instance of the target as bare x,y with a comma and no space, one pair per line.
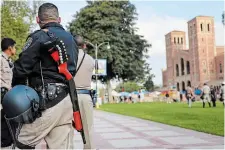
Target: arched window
221,69
190,29
189,83
178,86
178,40
177,70
208,27
174,40
182,66
188,67
183,86
201,27
181,40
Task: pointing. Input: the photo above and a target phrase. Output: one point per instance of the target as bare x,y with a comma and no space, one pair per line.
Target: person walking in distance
167,97
189,95
213,95
85,67
222,92
206,95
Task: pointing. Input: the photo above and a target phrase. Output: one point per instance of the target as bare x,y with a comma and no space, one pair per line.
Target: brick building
202,63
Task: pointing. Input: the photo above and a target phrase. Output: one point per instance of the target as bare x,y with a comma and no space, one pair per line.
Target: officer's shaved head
48,11
79,40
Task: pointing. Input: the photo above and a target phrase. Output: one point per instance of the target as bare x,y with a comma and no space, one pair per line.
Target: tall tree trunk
109,90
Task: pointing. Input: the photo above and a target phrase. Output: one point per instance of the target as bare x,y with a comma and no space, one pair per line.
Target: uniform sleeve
2,81
27,59
3,74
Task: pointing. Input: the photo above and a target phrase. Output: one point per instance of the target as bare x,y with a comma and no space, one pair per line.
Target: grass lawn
209,120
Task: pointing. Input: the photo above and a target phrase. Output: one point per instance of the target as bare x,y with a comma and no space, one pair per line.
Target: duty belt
83,91
53,94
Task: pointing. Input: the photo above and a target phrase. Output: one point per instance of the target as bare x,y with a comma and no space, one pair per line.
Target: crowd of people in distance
208,94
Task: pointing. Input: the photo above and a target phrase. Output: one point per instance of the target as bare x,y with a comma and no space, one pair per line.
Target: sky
157,18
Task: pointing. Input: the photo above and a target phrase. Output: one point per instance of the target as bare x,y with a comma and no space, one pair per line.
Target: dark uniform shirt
28,64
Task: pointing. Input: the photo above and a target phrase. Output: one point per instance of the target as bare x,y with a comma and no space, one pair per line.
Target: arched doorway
177,70
188,67
183,86
189,83
221,68
182,66
178,86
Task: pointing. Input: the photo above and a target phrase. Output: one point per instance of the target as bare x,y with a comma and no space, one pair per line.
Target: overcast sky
157,18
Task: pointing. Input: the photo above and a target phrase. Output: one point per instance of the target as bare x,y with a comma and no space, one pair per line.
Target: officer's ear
10,48
59,20
38,20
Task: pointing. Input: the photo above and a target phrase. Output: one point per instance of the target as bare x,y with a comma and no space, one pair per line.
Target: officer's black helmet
20,104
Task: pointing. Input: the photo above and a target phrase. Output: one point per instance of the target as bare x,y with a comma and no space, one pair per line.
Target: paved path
113,131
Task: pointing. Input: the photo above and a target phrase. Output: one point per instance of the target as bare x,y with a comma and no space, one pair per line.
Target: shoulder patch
28,43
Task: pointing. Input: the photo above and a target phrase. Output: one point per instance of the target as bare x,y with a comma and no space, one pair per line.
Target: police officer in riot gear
35,64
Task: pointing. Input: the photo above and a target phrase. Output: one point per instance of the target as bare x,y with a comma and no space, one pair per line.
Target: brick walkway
113,131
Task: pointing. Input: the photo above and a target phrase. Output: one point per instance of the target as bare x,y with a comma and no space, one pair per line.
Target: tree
113,21
128,87
149,84
17,20
157,87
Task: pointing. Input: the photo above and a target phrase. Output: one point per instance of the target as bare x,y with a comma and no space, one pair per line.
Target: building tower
175,41
202,49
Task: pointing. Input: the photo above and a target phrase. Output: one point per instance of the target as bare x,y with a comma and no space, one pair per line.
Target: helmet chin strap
11,132
18,131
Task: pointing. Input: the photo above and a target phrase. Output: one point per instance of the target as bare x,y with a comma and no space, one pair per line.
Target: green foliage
128,87
149,85
16,21
156,87
113,21
177,114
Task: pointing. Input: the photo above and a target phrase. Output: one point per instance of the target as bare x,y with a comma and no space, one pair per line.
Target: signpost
101,67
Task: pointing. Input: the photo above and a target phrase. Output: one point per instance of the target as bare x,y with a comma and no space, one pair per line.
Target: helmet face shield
21,104
26,118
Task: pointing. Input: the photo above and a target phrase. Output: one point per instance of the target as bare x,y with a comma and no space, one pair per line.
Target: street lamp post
96,46
96,70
